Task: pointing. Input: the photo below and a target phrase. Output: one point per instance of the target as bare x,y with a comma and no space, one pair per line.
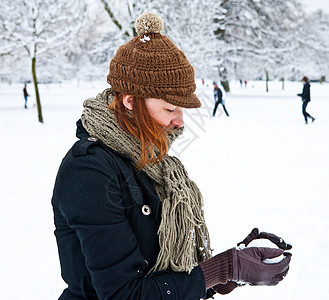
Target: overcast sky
311,5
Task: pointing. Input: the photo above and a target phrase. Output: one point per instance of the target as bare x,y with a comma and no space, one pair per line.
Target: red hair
140,124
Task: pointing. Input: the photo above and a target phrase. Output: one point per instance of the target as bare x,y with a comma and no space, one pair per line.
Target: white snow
262,243
274,260
145,39
315,5
261,167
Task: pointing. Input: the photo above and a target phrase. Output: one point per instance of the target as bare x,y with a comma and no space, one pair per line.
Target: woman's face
166,114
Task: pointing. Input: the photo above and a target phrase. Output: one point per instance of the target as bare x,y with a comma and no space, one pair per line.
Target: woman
129,221
306,98
218,96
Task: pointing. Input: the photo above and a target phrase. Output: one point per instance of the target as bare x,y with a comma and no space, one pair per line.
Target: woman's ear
127,101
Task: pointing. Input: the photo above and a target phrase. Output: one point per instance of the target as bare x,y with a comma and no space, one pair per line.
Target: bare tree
39,27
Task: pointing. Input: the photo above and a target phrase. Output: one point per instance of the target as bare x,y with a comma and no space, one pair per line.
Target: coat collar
82,133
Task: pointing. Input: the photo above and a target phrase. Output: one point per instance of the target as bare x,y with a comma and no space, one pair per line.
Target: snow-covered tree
123,14
255,34
190,24
38,27
223,39
311,56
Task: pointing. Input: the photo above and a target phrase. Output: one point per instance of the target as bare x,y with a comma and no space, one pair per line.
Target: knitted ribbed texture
225,288
217,269
183,234
150,65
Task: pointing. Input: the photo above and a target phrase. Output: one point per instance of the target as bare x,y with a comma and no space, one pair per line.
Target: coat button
92,139
146,210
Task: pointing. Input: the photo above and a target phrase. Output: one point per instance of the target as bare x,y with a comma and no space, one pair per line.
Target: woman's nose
178,120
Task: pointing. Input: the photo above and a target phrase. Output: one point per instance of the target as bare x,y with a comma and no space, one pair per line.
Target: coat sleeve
306,92
92,201
220,94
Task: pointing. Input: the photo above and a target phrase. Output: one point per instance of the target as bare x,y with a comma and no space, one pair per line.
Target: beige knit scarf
183,234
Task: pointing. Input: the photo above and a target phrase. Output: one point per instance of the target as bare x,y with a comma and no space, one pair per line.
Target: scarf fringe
187,243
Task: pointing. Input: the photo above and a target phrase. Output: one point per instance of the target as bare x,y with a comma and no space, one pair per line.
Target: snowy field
261,167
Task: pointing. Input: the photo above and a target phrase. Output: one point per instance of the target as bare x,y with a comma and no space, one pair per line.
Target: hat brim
190,101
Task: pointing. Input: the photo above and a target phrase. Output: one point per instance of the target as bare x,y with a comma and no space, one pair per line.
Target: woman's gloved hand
248,266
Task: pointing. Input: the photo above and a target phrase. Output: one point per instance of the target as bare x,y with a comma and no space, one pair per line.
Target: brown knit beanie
150,65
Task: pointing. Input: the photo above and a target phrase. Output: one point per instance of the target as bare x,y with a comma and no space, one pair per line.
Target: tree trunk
35,81
226,85
282,83
266,72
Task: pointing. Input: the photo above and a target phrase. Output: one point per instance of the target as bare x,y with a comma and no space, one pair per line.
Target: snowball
262,243
274,260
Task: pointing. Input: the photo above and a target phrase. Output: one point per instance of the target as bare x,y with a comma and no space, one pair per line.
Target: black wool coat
306,94
218,95
106,217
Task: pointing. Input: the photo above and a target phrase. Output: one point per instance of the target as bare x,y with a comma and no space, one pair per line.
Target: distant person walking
218,97
25,95
306,98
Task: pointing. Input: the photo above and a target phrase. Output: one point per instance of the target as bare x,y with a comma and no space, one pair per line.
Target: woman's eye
170,110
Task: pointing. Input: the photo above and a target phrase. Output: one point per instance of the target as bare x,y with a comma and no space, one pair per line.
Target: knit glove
249,266
245,266
226,288
218,269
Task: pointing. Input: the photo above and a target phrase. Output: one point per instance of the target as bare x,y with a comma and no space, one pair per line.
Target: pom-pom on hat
148,22
150,65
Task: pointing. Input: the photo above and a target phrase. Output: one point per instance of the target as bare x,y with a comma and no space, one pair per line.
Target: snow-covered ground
261,167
